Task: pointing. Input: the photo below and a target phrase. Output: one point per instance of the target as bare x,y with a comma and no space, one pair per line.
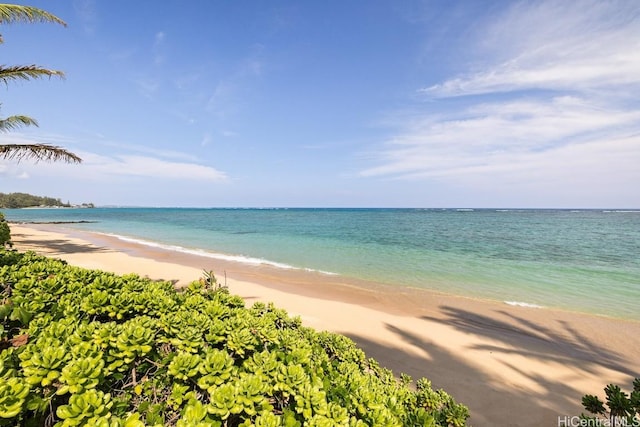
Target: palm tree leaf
26,72
14,122
38,152
10,13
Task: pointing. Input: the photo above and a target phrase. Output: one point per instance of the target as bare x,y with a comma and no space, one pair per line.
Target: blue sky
332,103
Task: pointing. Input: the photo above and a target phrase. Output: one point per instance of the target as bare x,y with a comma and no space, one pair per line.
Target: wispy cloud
86,11
149,167
149,83
152,151
125,53
159,56
230,92
224,100
41,138
188,80
206,139
554,45
100,167
484,133
148,87
11,170
553,93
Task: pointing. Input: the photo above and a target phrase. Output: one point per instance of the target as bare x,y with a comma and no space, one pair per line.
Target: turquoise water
585,260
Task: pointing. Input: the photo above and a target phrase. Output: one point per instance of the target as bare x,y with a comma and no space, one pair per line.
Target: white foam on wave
328,273
224,257
523,304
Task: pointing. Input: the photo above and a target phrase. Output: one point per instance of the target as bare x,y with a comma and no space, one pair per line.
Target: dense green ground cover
86,347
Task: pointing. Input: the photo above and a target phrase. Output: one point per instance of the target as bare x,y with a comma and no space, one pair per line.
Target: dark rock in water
52,222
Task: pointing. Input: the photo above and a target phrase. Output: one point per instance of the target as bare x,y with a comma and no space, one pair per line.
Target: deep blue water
584,260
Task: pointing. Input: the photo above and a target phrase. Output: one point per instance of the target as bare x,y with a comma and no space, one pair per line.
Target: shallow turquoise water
577,260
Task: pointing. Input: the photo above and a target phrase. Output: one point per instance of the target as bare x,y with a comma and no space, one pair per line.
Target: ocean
577,260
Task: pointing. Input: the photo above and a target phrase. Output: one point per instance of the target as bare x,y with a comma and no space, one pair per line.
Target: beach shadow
565,345
490,402
56,246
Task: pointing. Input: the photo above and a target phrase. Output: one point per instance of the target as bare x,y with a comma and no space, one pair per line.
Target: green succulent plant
185,365
216,368
88,408
94,348
42,362
13,394
81,374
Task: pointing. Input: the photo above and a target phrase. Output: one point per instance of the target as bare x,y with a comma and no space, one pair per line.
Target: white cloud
175,165
485,133
11,170
42,138
150,167
554,45
152,151
554,108
104,168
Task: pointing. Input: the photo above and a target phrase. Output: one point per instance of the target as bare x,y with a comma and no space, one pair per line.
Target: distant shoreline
55,207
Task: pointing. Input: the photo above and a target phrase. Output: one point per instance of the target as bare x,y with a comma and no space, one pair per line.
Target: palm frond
38,152
10,13
26,72
14,122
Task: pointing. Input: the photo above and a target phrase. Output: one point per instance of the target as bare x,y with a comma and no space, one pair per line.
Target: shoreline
291,278
527,287
496,358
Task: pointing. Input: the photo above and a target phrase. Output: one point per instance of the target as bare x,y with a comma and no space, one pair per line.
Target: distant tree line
24,200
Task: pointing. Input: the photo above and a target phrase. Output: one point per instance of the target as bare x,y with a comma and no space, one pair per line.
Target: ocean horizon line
460,209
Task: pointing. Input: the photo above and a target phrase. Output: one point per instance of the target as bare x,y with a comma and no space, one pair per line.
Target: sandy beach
512,366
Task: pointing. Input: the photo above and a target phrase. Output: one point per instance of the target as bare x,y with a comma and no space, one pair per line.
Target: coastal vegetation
619,408
5,232
24,200
12,13
87,347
